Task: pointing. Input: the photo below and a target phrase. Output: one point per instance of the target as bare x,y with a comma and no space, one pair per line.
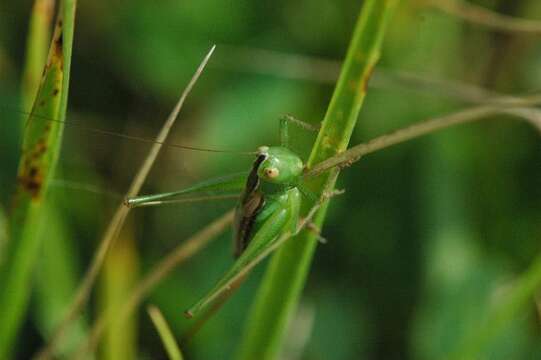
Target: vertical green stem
284,280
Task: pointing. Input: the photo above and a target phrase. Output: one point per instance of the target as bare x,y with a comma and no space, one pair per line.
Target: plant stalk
284,280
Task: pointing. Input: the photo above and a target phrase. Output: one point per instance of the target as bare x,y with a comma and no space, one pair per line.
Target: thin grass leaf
168,339
37,43
280,290
83,292
40,150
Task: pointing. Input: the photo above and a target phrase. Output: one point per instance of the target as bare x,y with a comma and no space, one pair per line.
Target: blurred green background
424,242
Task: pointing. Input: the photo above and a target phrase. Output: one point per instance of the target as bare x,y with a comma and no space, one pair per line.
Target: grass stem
280,290
83,292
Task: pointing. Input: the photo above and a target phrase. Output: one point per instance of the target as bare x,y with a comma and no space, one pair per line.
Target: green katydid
268,206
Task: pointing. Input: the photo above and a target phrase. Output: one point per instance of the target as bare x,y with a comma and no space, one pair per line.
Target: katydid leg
225,185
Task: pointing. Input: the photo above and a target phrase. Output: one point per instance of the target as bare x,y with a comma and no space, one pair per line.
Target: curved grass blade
165,333
41,146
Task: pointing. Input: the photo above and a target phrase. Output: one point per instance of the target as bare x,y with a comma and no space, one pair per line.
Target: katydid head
280,166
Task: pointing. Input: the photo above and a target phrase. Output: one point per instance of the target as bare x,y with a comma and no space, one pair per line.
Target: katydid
268,206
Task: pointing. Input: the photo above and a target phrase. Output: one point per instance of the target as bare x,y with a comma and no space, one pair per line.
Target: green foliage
433,250
40,150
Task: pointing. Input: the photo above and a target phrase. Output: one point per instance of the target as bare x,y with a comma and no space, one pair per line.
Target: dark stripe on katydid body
251,202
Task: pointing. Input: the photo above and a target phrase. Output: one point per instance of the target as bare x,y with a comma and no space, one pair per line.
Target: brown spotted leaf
39,151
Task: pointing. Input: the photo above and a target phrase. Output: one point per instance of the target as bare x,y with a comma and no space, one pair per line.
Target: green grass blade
37,43
48,292
117,221
279,293
165,333
41,146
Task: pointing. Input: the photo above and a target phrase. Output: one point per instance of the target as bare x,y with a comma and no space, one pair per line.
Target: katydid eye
271,173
